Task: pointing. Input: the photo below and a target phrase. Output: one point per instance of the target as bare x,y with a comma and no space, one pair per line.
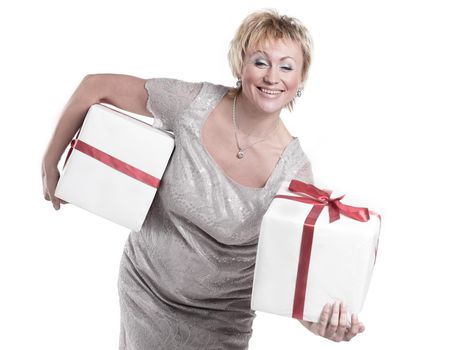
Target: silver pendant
240,154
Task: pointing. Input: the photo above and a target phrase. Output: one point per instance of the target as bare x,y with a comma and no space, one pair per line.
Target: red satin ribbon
304,261
113,162
320,199
315,196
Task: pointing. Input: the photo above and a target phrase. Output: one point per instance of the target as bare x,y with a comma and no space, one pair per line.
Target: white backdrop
376,118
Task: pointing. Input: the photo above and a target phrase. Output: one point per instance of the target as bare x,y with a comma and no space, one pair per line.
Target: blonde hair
262,26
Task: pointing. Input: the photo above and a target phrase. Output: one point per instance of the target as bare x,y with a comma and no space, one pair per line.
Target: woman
186,277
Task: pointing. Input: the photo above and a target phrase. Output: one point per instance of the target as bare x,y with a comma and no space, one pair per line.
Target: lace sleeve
168,98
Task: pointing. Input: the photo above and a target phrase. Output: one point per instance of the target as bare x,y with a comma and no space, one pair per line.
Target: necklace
241,151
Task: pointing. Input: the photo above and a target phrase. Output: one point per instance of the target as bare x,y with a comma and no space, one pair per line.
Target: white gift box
115,175
339,268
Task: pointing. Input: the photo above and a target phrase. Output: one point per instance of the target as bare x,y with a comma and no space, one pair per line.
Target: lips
269,91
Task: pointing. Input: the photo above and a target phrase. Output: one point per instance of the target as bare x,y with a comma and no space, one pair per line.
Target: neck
251,121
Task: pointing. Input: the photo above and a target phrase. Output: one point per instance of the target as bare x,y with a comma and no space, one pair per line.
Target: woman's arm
123,91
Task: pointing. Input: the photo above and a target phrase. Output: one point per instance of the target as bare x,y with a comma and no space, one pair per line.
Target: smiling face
271,75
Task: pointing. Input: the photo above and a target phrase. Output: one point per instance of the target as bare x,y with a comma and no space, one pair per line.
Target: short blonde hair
262,26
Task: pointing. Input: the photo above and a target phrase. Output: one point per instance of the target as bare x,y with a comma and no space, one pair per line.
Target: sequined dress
185,278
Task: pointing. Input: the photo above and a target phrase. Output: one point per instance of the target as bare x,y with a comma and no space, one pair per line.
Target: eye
286,67
261,63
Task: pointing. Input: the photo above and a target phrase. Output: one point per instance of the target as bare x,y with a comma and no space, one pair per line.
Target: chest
217,136
206,186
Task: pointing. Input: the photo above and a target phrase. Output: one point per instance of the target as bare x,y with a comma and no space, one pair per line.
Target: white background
376,118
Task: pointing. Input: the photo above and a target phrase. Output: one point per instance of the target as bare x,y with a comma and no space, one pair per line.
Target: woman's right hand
50,178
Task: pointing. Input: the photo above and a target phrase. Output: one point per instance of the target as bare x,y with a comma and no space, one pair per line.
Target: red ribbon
319,198
315,196
113,162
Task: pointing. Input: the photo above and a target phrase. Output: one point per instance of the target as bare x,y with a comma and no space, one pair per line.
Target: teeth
270,92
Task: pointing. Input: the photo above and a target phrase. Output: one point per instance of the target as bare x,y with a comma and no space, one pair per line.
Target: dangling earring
238,83
299,92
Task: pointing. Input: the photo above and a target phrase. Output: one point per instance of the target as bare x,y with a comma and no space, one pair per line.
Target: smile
270,92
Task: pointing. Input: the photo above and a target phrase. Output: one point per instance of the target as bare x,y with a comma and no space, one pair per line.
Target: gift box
114,166
313,250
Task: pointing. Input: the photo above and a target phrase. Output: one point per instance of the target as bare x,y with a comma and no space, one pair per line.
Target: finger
306,323
50,197
353,330
56,204
361,328
341,329
324,319
51,187
46,192
334,322
310,326
55,201
354,323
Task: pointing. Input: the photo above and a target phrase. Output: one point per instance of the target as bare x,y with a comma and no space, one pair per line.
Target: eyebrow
282,58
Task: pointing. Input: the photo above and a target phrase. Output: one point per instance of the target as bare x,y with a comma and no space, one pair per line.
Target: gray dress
186,277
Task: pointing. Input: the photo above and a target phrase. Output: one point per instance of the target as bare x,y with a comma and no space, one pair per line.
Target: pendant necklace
241,151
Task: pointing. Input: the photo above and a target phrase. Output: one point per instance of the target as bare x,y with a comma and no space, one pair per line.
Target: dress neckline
211,106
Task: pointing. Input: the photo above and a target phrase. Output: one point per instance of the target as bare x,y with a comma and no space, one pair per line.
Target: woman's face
271,75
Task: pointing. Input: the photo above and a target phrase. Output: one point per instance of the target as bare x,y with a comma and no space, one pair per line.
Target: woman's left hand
333,324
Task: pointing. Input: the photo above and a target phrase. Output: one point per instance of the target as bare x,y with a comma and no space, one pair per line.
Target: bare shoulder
123,91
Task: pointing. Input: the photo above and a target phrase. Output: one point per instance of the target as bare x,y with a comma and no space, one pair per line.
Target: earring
299,92
238,83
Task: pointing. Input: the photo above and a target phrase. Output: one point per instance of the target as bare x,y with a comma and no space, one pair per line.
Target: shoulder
301,165
214,89
170,85
182,88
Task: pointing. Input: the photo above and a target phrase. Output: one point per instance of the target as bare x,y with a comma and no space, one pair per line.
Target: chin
272,105
270,109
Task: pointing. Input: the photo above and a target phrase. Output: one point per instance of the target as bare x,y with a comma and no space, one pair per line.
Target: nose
271,77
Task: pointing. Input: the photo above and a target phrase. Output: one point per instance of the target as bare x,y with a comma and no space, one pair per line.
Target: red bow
313,195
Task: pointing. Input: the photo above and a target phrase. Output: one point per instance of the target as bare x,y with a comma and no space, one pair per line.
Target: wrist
50,161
